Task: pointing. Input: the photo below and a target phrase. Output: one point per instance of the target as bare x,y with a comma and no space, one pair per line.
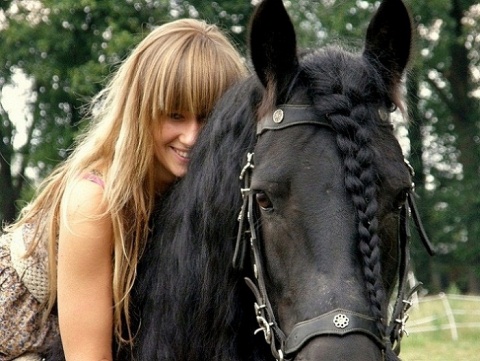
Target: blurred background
56,54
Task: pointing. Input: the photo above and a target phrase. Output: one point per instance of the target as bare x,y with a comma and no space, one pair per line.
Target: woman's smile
174,139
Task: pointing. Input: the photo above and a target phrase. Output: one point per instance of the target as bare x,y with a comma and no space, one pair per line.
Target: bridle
338,322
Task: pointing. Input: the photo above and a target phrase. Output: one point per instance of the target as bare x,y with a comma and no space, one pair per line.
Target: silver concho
278,116
341,320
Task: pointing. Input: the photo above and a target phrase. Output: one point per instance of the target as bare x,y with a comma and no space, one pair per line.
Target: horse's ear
273,45
389,40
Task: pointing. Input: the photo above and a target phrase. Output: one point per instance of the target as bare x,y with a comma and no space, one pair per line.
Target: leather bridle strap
396,328
344,322
418,223
289,115
264,314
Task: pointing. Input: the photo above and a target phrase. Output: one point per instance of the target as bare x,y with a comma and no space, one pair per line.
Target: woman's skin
173,142
84,256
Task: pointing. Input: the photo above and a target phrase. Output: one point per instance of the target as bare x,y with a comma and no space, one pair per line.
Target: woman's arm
85,308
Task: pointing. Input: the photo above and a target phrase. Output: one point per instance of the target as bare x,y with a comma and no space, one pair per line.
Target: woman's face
174,138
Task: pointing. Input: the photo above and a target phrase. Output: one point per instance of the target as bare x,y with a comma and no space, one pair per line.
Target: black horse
297,185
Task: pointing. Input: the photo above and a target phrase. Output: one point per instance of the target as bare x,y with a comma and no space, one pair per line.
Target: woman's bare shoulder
84,197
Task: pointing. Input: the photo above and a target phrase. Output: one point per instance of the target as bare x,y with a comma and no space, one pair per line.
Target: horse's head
329,188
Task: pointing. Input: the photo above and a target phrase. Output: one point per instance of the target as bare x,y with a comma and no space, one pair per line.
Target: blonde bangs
196,74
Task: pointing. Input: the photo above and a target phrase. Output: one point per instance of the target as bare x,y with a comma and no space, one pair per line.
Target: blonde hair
183,65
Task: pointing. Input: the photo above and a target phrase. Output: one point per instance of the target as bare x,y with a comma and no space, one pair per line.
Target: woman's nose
190,133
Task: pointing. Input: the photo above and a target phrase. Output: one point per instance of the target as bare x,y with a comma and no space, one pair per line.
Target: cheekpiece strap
287,115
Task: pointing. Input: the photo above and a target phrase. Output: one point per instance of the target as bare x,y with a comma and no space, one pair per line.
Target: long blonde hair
186,65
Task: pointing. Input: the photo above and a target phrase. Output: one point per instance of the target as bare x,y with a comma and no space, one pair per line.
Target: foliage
448,153
231,16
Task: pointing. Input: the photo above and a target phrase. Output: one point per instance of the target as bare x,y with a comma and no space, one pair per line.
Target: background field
443,328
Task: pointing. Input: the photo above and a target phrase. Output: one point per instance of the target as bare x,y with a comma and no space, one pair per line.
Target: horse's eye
263,201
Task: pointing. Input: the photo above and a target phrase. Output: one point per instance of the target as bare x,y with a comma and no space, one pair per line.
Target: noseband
338,322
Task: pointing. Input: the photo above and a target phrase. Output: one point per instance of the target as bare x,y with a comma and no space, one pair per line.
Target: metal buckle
248,165
402,322
265,326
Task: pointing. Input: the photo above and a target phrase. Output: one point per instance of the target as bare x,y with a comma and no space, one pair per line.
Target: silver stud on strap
278,116
341,320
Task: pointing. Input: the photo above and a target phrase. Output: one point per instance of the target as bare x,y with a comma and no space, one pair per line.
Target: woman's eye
263,201
175,116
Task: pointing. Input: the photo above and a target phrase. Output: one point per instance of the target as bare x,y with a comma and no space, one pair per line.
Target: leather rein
338,322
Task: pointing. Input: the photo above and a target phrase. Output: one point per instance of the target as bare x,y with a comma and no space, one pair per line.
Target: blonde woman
68,264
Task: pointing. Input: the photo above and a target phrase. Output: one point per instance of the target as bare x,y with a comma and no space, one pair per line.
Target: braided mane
352,88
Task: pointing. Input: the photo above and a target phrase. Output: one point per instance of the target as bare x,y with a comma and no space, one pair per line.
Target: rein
338,322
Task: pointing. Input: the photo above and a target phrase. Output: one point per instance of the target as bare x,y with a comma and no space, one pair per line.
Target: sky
14,100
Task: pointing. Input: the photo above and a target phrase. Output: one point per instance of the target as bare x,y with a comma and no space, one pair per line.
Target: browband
287,115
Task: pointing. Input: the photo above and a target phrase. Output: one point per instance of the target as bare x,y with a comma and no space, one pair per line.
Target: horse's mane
186,269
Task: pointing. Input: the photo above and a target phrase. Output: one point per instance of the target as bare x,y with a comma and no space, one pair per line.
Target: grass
437,344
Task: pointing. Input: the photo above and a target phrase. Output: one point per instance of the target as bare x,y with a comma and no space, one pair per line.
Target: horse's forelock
334,72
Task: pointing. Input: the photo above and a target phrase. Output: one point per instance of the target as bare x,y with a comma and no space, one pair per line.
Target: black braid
353,140
341,86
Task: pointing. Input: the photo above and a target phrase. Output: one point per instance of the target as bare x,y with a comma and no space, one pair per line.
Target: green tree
231,16
445,138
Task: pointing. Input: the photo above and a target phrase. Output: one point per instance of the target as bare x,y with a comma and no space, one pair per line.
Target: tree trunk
8,193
